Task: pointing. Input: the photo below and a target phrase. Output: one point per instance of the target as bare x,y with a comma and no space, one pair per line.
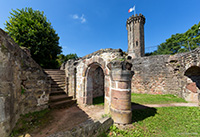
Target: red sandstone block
107,90
121,117
192,87
124,95
124,85
107,71
121,100
121,104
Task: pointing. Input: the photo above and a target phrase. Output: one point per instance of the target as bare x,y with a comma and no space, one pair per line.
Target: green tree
180,42
29,28
62,58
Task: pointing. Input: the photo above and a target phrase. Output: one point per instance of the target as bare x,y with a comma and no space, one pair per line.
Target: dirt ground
68,118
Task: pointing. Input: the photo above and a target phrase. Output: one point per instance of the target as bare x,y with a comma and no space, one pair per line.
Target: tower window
136,43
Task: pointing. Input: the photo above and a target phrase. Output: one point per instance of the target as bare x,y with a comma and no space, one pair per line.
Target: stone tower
135,28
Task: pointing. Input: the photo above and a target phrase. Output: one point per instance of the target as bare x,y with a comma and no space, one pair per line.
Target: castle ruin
25,87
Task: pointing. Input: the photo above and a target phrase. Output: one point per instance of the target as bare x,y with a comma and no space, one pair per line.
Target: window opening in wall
136,43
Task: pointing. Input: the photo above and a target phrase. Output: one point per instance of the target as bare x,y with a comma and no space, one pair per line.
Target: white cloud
75,16
82,19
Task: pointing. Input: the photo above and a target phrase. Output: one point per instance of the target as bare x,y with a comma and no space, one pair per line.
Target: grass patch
98,100
31,121
168,121
105,115
155,99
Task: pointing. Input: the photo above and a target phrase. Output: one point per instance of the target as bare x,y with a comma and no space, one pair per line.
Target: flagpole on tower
134,11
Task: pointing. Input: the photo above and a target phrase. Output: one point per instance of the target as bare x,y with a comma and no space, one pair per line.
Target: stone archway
192,89
94,83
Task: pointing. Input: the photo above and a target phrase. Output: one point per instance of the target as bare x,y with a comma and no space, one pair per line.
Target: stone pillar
121,91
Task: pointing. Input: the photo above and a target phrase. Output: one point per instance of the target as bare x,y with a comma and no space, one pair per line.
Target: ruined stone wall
165,74
80,84
24,87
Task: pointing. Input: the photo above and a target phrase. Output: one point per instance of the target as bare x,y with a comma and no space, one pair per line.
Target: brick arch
191,64
92,62
89,84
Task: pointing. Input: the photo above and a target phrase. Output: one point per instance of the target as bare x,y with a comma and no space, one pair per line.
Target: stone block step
58,77
56,98
62,104
58,83
55,72
57,86
58,80
57,92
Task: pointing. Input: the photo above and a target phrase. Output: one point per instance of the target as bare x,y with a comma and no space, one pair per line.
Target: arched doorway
192,88
95,84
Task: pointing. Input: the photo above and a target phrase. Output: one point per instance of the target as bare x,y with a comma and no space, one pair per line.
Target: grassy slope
155,99
161,122
31,121
146,99
167,121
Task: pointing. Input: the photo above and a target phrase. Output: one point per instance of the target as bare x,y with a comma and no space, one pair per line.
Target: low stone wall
89,128
24,87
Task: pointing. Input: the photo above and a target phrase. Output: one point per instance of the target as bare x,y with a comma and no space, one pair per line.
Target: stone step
58,80
62,104
62,77
55,72
58,83
58,89
58,86
56,98
57,92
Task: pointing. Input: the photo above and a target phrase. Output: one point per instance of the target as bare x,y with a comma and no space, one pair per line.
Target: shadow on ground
141,112
62,120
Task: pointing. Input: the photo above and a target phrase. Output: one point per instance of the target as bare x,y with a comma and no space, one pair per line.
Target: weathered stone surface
87,129
2,110
121,117
21,83
121,100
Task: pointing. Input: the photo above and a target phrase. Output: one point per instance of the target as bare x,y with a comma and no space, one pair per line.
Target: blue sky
85,26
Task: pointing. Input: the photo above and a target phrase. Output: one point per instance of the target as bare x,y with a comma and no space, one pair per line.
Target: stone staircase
58,98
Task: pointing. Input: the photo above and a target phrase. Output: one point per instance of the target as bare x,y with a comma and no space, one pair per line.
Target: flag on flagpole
131,9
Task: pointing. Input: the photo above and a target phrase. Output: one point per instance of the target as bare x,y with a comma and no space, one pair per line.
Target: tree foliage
30,28
62,58
180,42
